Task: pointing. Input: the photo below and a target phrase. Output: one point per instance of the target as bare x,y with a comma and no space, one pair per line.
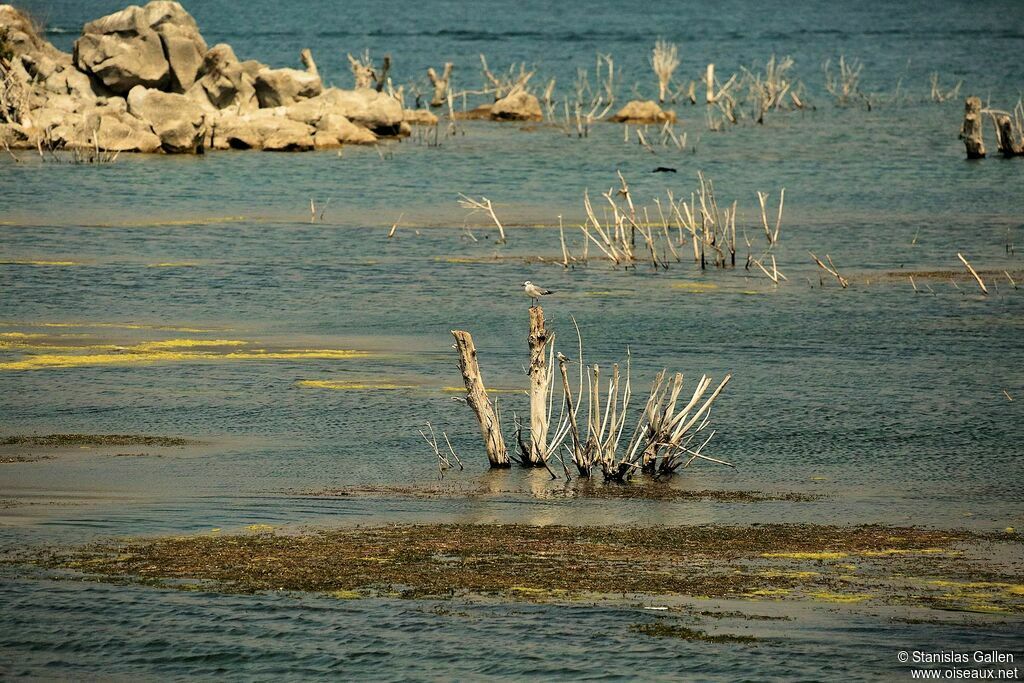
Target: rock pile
143,79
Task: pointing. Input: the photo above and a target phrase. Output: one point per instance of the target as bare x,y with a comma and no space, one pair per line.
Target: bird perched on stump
535,292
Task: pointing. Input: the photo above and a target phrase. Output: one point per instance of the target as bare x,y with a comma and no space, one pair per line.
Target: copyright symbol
903,656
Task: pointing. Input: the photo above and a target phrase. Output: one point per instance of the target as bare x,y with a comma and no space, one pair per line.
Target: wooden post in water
307,60
440,84
1008,145
970,132
476,396
539,382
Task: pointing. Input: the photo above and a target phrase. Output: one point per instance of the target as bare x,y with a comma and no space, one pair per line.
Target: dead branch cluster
589,434
1008,127
626,235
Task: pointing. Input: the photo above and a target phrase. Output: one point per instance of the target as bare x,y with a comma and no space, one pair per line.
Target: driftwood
441,84
362,70
981,283
665,438
540,381
483,204
476,397
664,61
307,61
970,132
1007,142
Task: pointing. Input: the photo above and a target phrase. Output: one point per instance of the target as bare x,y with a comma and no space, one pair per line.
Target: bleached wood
539,382
981,283
476,396
971,130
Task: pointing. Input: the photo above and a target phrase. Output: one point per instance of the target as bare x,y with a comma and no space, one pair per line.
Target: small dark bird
664,169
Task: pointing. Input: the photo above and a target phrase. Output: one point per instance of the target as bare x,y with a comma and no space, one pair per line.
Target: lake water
890,403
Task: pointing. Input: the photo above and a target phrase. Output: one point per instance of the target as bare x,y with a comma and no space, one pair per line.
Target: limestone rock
23,35
366,107
420,117
225,82
637,111
281,87
13,136
266,129
335,129
481,113
106,124
518,106
156,46
179,122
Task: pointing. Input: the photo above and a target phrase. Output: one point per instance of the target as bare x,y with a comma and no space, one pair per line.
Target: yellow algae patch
184,344
822,555
260,528
767,593
21,335
1012,588
901,551
695,287
845,598
750,292
172,264
27,262
153,352
775,573
350,386
344,595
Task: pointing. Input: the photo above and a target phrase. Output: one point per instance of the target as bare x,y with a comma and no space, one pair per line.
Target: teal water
887,401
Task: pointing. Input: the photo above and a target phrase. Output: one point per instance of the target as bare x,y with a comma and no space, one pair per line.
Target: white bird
535,292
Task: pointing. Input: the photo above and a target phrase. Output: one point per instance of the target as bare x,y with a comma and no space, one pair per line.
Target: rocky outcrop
263,129
142,79
637,111
107,124
224,82
366,107
281,87
13,135
178,121
156,46
518,106
334,130
420,117
22,35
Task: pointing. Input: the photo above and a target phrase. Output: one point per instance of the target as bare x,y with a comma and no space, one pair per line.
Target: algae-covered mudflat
236,440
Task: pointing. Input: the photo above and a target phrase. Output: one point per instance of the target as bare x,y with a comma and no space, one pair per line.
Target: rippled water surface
894,405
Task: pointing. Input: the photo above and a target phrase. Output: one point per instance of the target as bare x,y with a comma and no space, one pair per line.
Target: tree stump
539,382
440,84
1007,143
476,396
970,132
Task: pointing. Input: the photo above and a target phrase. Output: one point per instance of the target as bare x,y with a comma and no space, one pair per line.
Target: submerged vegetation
892,565
70,440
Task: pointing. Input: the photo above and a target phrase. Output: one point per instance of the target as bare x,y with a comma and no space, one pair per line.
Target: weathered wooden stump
539,382
970,132
476,396
1007,143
